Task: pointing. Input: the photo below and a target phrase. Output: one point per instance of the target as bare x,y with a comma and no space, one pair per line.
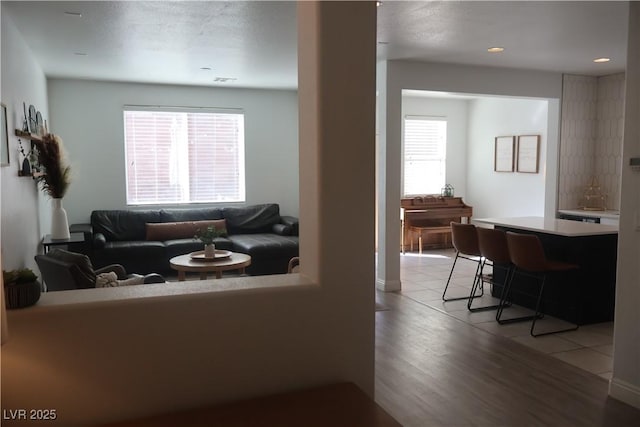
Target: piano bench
445,229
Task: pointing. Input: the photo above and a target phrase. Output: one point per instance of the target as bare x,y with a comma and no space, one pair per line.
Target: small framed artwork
503,155
528,153
4,146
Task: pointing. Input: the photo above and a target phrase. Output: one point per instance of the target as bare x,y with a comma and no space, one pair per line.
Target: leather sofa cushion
252,219
123,225
138,256
266,246
196,214
180,230
184,246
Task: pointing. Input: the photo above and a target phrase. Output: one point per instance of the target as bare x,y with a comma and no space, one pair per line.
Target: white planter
210,250
59,222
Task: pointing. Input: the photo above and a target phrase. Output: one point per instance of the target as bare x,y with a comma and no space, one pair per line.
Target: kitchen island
583,296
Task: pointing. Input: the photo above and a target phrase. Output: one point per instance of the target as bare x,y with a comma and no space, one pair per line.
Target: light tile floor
423,279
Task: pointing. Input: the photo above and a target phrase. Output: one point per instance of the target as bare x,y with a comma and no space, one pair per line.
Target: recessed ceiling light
601,60
495,49
80,54
74,14
378,3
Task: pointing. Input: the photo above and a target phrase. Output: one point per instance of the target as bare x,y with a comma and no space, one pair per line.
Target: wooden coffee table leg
218,274
181,275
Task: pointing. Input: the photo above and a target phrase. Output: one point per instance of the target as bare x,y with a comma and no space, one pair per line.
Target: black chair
465,241
528,258
495,253
63,270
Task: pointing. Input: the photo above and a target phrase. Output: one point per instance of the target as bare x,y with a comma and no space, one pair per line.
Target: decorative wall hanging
528,153
503,155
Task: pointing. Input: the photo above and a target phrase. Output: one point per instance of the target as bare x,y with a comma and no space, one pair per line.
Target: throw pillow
110,280
106,280
161,231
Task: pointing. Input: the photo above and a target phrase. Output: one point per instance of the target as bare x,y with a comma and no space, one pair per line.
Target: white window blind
425,143
184,157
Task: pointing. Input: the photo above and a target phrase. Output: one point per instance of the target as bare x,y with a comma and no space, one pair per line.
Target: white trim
183,109
625,392
423,117
388,285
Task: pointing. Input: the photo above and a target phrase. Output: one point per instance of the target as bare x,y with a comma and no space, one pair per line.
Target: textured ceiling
255,42
163,41
551,36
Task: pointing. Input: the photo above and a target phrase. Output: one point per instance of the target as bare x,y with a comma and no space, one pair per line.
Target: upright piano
431,213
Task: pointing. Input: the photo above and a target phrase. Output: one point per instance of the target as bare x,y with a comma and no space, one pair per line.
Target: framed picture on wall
528,153
503,154
4,146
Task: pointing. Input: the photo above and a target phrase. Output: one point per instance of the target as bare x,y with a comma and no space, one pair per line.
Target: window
424,157
184,156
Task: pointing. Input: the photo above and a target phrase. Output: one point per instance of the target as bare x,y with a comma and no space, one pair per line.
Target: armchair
63,270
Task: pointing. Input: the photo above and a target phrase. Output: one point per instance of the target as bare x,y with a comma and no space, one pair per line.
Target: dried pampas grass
56,172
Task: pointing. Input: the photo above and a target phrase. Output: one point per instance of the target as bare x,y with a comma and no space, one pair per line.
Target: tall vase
59,222
210,250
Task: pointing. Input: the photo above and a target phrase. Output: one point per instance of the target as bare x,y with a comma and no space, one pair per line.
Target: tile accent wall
610,128
591,137
577,138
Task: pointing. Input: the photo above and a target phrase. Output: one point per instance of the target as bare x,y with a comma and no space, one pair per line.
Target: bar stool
465,241
495,252
528,258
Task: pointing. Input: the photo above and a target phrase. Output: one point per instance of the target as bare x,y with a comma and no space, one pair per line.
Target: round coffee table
185,263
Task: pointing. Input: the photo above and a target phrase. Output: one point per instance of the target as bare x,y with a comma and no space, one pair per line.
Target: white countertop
560,227
591,214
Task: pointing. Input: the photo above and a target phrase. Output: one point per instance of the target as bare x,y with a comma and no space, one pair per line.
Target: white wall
87,115
504,194
25,210
625,383
399,75
100,362
455,110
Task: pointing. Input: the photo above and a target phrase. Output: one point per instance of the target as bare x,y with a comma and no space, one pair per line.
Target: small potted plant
207,236
21,288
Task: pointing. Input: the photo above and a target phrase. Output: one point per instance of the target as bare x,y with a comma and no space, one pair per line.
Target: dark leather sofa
125,237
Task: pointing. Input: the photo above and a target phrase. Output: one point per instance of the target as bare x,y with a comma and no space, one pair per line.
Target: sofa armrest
292,222
99,241
81,228
282,229
153,278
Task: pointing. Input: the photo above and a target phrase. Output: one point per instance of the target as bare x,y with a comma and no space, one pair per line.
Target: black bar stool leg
540,315
444,298
505,293
480,280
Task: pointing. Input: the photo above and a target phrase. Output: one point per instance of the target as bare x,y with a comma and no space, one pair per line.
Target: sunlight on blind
425,141
184,157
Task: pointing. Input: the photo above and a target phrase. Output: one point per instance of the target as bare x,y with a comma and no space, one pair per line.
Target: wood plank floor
435,370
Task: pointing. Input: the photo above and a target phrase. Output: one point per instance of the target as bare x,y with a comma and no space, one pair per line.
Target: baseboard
388,285
625,392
